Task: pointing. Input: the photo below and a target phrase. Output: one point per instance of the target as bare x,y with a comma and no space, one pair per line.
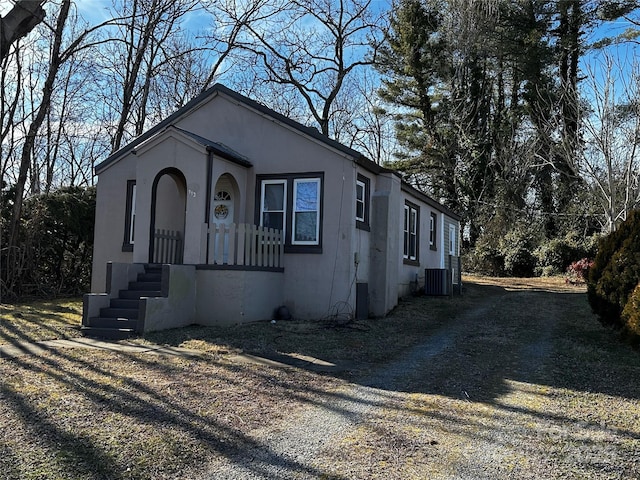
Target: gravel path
517,386
292,453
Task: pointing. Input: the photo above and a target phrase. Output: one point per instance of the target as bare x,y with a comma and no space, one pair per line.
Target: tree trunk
45,104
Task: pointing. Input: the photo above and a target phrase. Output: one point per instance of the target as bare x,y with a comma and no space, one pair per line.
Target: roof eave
407,187
227,156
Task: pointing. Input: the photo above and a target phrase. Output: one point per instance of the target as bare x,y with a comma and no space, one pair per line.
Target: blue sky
97,11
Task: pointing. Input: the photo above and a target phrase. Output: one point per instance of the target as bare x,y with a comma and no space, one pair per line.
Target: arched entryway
225,208
168,208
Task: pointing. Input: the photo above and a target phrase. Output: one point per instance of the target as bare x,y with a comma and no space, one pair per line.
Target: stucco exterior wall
178,308
191,160
110,221
361,239
171,201
427,257
227,297
385,242
313,282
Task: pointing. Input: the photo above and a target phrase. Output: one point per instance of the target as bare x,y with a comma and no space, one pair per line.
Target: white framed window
411,218
452,240
363,199
360,201
292,203
306,211
273,201
433,222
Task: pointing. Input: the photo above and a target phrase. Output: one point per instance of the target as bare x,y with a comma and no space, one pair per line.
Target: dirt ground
527,385
515,379
523,383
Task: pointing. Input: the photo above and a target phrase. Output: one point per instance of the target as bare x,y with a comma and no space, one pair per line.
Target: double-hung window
292,203
433,222
411,225
273,199
306,211
362,202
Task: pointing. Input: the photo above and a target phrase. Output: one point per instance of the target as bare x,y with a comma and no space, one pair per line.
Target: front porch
239,280
224,246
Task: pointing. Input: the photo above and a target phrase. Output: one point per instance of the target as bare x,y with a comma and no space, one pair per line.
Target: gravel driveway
486,396
293,451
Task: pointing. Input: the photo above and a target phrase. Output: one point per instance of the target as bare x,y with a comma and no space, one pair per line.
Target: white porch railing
244,245
167,247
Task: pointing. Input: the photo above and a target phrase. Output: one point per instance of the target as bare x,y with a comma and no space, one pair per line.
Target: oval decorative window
221,211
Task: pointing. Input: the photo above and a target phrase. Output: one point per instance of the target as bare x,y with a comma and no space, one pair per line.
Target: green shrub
554,256
55,245
517,248
615,271
504,249
484,259
631,316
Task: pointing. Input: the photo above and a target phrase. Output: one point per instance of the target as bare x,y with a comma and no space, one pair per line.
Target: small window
433,222
452,240
130,217
222,196
362,202
411,222
306,211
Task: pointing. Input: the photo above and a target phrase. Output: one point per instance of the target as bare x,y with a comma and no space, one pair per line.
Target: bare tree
10,87
56,61
36,99
360,121
133,52
310,47
230,19
610,162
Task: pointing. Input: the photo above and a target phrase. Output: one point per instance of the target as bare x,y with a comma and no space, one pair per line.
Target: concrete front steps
119,320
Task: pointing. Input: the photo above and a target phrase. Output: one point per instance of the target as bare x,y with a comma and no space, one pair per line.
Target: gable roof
219,149
217,89
230,154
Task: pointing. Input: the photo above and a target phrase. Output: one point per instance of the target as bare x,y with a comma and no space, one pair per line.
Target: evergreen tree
486,97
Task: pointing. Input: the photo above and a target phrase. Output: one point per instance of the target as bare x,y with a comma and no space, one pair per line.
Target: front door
223,209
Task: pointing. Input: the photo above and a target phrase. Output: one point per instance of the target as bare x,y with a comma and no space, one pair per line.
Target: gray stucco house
226,210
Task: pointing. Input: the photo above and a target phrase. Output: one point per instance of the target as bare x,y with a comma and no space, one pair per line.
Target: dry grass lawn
40,320
533,388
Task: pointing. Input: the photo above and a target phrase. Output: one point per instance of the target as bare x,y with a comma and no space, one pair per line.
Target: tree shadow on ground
58,411
509,348
477,349
449,345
